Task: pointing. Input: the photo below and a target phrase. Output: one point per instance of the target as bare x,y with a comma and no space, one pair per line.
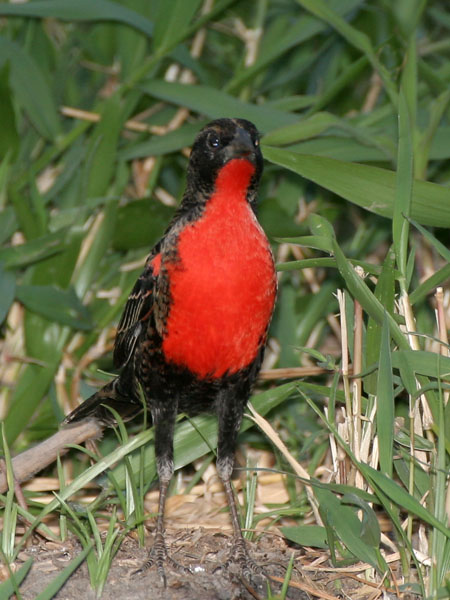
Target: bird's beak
241,146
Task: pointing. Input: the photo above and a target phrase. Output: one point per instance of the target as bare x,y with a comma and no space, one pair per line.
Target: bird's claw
239,556
158,557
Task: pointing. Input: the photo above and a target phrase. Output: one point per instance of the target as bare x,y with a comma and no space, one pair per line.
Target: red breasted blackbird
194,328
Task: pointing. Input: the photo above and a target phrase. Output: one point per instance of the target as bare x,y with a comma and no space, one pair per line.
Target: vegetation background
98,104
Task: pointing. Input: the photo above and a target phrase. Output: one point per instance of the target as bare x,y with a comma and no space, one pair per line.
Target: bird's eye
214,140
256,142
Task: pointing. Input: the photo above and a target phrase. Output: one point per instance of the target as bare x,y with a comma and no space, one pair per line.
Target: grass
352,98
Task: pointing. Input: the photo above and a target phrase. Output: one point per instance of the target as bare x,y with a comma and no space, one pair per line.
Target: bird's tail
97,406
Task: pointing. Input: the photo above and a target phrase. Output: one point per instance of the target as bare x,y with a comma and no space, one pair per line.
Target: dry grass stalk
270,432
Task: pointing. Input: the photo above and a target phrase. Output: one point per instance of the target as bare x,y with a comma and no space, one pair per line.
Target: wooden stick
38,457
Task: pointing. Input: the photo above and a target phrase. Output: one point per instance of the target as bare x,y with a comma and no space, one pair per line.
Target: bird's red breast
222,284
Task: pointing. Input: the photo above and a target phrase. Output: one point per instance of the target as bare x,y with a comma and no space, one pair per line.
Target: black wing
137,311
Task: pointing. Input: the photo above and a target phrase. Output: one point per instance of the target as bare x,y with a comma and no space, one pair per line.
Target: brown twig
35,459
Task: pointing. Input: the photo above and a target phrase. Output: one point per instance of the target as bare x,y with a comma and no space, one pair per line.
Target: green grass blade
8,587
356,38
366,298
371,188
81,10
25,74
215,103
385,403
385,293
54,587
170,21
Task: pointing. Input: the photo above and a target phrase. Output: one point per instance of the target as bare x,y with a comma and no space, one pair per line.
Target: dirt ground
198,536
200,550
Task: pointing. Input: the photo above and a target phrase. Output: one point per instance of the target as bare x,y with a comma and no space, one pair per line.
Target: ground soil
202,551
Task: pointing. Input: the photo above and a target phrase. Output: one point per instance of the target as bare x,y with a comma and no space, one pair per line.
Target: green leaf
25,75
81,10
366,298
9,140
357,38
7,589
292,33
163,144
385,403
371,188
385,293
7,292
429,285
34,251
402,498
214,103
423,362
311,263
171,19
437,245
57,583
140,224
402,203
319,242
101,155
62,306
344,523
306,535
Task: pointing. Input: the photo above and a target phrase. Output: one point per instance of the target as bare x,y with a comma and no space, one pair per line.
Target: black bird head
216,144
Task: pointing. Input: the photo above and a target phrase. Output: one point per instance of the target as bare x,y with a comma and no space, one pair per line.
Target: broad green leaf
81,10
34,251
371,188
423,362
163,144
381,149
320,226
344,523
25,75
62,306
370,527
318,124
319,242
306,535
172,18
402,498
214,103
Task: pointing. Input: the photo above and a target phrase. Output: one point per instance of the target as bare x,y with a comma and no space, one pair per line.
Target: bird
195,325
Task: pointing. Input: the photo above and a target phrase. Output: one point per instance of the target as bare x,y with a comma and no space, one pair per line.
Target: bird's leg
230,417
164,421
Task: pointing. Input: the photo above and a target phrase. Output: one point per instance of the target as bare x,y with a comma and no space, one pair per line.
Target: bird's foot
158,557
240,557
